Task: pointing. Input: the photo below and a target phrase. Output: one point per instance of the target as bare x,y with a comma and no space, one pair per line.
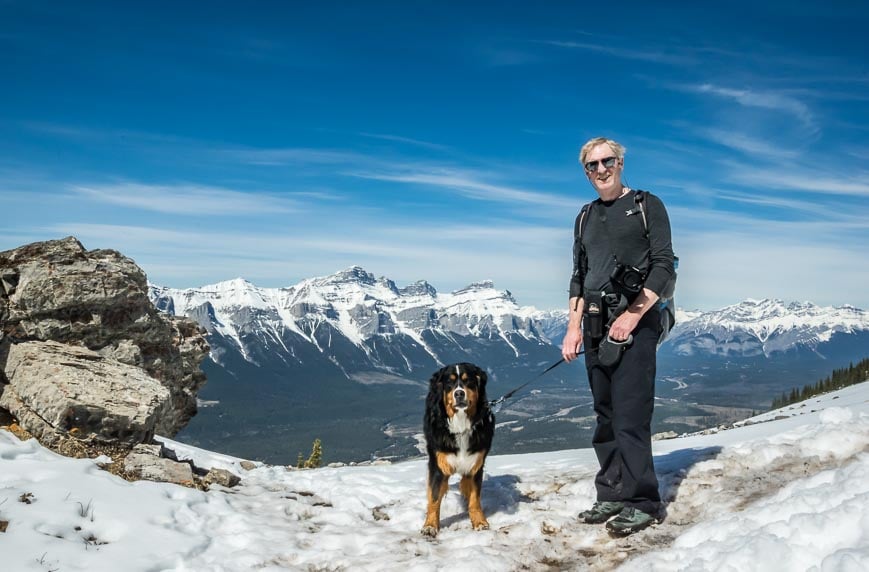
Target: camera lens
632,279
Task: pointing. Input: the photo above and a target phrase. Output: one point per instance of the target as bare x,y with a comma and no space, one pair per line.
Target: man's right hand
571,344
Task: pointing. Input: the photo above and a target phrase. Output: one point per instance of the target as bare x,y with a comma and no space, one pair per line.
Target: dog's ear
436,382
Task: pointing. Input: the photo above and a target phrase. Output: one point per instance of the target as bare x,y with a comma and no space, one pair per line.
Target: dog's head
460,387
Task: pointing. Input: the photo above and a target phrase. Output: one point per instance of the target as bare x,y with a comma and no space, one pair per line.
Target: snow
774,494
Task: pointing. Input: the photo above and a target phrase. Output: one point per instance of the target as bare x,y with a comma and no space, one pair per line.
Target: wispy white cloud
829,94
324,161
655,56
171,144
505,57
111,135
776,101
775,202
747,144
291,156
407,140
185,199
859,153
820,180
468,184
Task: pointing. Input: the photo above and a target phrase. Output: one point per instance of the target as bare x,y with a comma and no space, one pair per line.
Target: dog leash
495,405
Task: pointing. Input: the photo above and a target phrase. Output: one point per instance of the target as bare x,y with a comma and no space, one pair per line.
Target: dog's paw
481,525
429,531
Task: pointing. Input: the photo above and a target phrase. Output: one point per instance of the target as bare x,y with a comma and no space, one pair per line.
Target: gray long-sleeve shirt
608,230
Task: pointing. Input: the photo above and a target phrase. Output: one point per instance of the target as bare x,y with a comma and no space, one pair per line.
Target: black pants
624,398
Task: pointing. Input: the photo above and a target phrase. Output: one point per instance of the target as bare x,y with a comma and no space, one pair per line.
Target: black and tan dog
458,427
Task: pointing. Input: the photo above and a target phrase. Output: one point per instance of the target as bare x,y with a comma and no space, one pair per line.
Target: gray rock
59,291
57,389
370,319
248,465
664,435
152,468
419,317
155,450
222,477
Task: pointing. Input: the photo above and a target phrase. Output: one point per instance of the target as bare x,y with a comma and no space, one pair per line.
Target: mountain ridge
360,305
357,305
768,326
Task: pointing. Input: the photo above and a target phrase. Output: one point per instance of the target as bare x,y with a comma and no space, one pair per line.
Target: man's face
606,180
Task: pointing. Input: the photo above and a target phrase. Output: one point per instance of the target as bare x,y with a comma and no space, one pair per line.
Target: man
623,260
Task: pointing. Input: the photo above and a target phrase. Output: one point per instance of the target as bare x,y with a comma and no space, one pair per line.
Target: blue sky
438,140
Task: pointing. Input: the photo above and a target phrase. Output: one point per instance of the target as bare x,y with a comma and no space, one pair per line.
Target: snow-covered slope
788,494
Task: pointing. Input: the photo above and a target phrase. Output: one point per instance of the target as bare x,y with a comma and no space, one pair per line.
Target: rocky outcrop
62,390
84,353
159,463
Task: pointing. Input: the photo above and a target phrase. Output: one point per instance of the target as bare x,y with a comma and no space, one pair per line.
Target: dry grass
79,449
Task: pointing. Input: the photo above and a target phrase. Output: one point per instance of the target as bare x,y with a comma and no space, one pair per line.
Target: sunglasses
608,163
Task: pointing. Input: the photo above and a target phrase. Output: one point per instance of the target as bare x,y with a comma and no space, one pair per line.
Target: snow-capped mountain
749,328
764,327
358,308
357,322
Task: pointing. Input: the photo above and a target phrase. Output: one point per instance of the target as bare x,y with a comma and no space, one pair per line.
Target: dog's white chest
464,461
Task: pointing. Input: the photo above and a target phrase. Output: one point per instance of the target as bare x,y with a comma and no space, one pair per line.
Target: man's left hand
624,326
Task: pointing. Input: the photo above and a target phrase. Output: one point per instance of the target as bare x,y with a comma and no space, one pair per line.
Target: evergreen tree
316,458
840,378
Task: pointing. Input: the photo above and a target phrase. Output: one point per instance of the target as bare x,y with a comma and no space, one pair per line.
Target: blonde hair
617,148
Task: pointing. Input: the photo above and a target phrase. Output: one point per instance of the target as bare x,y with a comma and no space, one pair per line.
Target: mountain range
357,325
346,358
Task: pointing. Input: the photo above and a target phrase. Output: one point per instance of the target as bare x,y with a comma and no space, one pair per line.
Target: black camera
628,278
